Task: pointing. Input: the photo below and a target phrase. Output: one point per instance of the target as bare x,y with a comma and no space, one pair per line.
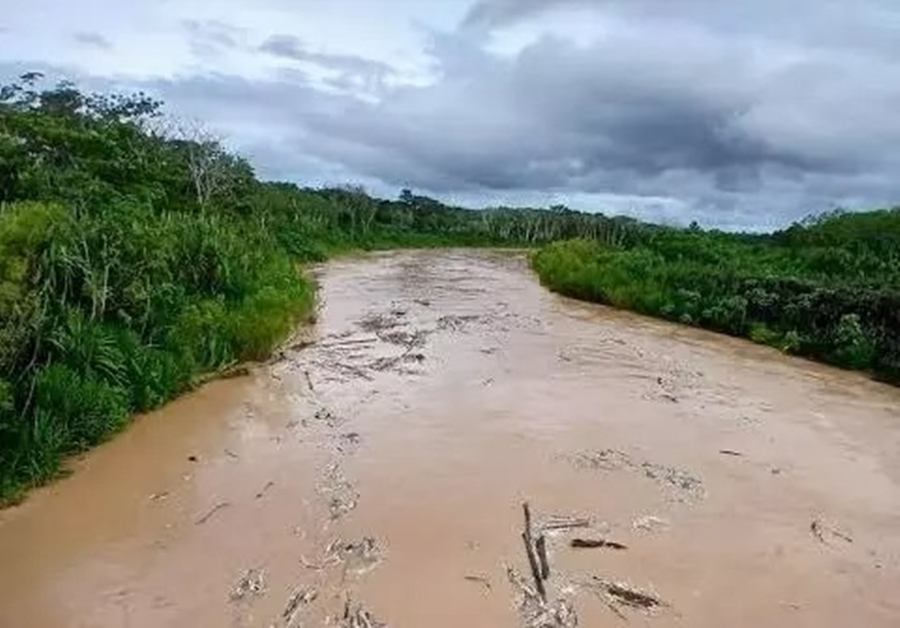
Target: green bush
722,283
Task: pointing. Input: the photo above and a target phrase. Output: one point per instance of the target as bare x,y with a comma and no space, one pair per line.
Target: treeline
137,254
827,288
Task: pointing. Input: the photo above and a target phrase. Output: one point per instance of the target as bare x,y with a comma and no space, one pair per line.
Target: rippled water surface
375,471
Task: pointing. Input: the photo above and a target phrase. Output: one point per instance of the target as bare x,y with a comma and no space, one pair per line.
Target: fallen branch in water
623,594
211,512
538,613
541,546
482,579
819,529
529,552
265,489
358,618
566,523
299,598
596,543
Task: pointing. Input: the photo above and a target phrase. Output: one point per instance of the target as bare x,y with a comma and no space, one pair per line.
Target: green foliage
122,278
777,290
133,261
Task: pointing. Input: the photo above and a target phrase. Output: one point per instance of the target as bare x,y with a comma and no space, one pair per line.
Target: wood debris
265,489
531,555
596,543
536,611
211,512
252,583
482,579
619,594
358,617
820,531
565,523
299,599
649,523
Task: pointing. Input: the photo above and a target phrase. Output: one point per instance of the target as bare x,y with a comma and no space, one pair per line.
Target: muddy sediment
374,475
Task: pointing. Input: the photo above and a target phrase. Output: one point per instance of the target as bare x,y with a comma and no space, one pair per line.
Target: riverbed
375,472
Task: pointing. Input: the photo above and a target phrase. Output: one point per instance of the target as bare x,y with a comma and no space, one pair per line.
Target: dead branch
596,543
482,579
541,547
564,523
624,594
529,552
211,512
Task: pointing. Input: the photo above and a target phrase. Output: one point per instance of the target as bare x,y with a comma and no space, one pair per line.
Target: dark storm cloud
738,116
93,40
689,118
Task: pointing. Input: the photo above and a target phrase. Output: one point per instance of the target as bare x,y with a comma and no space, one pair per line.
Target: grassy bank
135,260
828,290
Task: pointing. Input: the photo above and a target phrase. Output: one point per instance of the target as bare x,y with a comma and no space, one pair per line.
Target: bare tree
208,162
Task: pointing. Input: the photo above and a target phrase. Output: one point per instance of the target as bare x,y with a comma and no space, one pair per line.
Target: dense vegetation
828,288
136,256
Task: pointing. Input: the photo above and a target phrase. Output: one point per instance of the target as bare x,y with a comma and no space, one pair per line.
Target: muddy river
374,474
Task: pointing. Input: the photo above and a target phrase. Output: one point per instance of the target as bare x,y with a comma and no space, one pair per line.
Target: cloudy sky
739,114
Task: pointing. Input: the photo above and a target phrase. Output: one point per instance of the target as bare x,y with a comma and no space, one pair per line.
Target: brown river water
374,473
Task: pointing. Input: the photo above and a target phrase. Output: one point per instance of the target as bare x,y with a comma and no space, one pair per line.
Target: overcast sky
739,114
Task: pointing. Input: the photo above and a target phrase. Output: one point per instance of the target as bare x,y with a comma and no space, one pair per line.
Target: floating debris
456,322
299,599
621,594
650,523
358,617
682,481
360,556
408,339
565,523
537,612
348,443
596,543
378,322
211,512
327,417
265,489
482,579
821,530
342,496
687,486
252,583
605,460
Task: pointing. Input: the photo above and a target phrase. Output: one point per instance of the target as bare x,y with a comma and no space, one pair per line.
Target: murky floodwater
379,473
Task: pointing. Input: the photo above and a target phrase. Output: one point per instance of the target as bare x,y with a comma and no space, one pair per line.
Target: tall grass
759,290
117,311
